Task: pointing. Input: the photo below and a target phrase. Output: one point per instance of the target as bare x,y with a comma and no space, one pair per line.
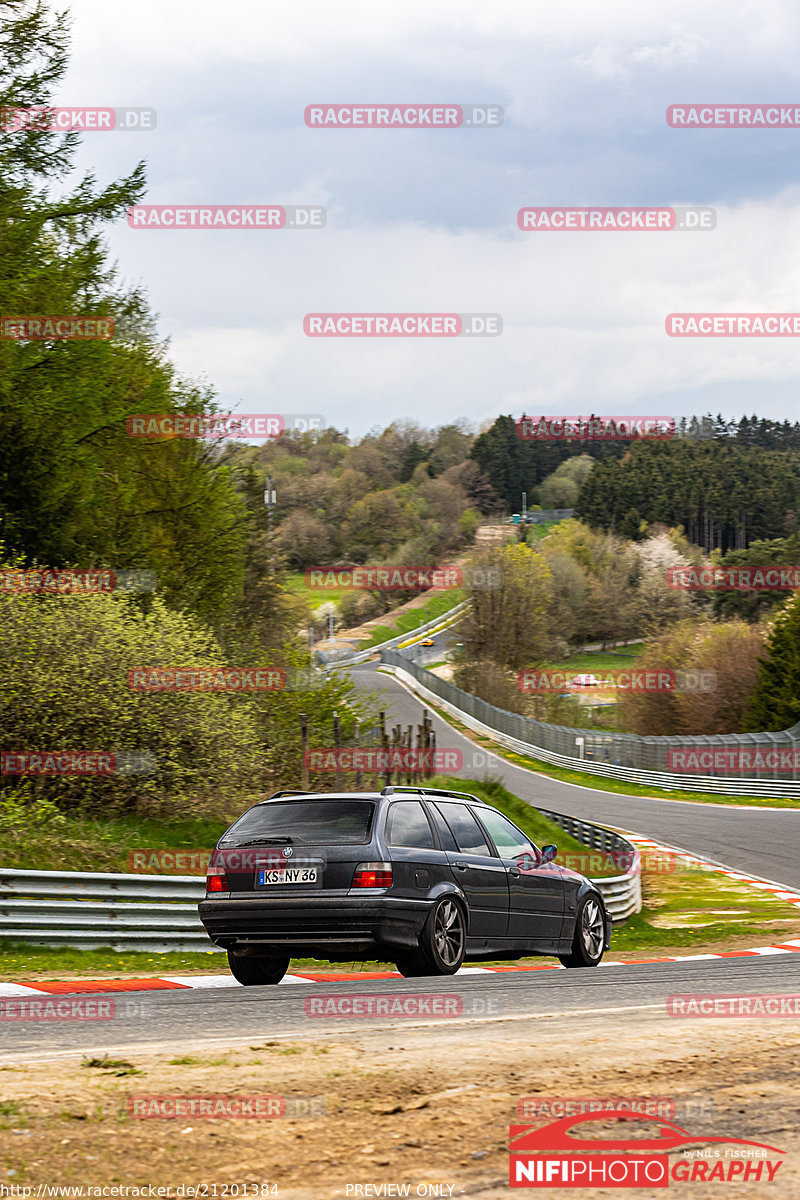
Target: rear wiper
267,841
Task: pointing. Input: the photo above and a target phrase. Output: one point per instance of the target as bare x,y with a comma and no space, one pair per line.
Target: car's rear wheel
254,971
590,935
442,942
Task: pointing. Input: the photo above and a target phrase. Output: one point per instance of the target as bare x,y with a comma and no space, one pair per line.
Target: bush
64,663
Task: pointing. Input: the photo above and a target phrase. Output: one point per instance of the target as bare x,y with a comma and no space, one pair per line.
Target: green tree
561,489
75,489
775,704
716,665
508,622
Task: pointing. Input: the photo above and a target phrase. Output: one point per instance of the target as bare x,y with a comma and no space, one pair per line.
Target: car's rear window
322,822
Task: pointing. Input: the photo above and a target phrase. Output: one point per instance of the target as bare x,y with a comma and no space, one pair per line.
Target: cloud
426,221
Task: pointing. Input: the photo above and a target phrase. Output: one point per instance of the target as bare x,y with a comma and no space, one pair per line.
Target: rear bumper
313,924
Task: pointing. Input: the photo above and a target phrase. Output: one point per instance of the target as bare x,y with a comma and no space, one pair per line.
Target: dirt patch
416,1106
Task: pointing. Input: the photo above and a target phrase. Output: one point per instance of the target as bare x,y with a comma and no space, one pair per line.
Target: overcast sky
425,220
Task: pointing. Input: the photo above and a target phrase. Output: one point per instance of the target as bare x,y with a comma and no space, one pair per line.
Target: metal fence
616,755
550,514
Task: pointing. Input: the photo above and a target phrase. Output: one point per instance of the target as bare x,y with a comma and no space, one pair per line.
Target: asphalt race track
228,1015
763,842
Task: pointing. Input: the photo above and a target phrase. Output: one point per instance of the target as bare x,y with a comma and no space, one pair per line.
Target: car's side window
466,829
407,825
509,840
443,829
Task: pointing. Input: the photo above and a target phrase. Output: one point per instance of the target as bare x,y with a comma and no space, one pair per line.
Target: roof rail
425,791
275,795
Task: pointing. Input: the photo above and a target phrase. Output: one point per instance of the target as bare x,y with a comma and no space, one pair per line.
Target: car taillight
373,875
216,880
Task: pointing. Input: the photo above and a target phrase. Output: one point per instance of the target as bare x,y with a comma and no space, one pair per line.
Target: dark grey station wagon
424,878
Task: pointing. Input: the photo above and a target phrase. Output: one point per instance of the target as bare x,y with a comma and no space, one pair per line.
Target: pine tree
775,704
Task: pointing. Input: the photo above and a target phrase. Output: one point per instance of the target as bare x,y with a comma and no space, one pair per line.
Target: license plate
288,875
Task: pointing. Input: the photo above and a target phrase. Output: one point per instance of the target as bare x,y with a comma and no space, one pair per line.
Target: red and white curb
73,987
647,845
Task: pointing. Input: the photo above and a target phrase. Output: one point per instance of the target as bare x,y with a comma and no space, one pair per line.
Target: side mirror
549,853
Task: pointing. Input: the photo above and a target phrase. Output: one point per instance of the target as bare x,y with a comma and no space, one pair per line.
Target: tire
588,944
410,965
254,971
442,943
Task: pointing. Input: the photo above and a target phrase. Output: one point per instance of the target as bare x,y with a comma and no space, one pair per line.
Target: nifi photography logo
563,1155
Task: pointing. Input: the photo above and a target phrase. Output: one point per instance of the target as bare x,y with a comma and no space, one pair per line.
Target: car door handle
460,866
514,874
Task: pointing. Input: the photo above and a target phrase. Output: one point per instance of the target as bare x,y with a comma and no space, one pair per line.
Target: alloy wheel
448,932
592,930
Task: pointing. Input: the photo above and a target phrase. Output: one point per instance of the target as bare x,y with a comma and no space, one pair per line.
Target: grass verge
597,660
72,843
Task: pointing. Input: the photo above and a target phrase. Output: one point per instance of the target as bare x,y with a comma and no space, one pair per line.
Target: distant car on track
428,642
423,877
586,679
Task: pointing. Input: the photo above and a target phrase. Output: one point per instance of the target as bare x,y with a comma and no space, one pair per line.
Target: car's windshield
322,822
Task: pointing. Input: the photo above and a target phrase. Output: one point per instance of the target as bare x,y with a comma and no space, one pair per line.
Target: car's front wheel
590,935
254,971
442,943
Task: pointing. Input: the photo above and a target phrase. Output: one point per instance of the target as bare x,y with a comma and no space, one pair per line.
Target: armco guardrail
86,910
159,912
365,655
624,756
622,893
